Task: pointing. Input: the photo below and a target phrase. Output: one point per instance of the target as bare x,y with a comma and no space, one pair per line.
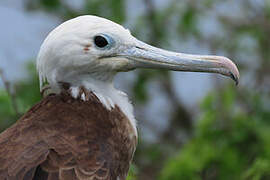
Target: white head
90,48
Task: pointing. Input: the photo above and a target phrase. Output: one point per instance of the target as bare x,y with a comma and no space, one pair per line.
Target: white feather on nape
83,97
75,92
106,101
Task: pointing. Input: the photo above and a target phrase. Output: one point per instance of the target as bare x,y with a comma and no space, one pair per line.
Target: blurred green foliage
228,143
7,113
27,94
230,137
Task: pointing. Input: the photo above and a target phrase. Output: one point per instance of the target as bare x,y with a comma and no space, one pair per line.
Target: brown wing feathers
63,138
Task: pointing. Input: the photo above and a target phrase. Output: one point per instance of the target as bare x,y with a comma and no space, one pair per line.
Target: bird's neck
109,96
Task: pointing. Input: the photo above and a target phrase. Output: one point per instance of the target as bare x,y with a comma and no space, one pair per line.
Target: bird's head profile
93,49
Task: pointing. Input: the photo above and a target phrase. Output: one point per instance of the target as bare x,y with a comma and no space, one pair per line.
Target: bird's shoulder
62,138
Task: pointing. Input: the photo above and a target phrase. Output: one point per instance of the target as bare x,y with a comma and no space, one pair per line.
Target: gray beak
145,56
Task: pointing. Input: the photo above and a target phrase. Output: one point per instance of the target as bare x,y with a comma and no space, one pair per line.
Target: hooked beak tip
234,73
235,78
232,70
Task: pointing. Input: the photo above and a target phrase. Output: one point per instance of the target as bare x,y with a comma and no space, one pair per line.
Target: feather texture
62,138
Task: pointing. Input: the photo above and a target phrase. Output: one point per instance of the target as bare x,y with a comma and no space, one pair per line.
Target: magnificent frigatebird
85,128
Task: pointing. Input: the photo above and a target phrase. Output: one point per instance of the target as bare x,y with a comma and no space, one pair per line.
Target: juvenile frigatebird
85,128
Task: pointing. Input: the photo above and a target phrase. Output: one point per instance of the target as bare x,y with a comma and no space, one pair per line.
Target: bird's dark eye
100,41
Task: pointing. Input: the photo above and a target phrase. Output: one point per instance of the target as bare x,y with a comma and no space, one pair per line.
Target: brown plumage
68,139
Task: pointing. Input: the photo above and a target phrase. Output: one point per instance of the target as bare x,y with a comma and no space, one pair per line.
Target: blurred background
191,125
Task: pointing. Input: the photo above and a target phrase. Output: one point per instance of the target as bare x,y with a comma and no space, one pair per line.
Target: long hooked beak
146,56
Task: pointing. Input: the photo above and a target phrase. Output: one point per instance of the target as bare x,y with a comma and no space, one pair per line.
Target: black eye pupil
100,41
